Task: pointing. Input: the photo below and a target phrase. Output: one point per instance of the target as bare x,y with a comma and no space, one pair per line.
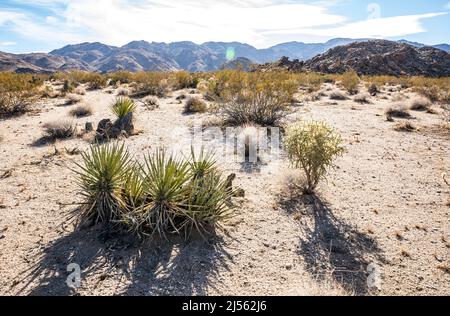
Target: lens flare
230,53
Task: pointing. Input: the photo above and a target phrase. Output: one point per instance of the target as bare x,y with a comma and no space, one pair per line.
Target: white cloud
8,43
257,22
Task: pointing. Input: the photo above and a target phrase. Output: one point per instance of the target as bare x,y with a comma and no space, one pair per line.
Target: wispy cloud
258,22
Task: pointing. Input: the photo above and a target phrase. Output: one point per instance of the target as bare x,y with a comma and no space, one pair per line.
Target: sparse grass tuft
82,110
362,98
123,92
151,102
59,130
73,99
420,104
338,95
405,127
397,110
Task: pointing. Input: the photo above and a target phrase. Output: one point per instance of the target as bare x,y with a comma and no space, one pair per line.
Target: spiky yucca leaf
101,177
201,165
209,198
165,184
123,106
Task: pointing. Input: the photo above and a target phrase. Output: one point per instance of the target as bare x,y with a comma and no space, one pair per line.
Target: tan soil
385,203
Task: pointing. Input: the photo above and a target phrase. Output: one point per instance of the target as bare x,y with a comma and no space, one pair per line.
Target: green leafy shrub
123,106
312,146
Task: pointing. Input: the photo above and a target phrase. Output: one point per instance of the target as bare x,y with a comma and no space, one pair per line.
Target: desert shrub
432,93
397,110
123,106
420,104
312,147
404,127
80,90
82,110
123,92
362,98
68,86
185,80
121,77
350,80
72,99
48,92
96,81
151,102
59,130
17,93
373,89
195,105
101,178
151,83
338,95
260,98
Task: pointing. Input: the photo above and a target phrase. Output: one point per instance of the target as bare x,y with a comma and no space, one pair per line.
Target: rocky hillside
240,63
142,55
380,57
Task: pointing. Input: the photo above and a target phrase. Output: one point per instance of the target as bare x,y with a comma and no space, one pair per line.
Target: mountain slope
381,57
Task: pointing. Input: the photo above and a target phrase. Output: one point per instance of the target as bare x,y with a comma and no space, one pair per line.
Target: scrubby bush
151,102
195,105
68,86
81,111
259,98
73,99
151,83
312,146
362,98
397,110
420,104
80,90
350,81
59,130
405,127
338,95
123,92
185,80
17,93
123,106
373,89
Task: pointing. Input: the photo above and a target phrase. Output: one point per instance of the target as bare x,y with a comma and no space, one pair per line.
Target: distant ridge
142,55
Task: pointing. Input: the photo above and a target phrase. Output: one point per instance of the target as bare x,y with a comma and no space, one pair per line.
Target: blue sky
43,25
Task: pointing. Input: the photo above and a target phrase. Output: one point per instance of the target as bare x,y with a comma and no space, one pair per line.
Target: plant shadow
329,245
117,264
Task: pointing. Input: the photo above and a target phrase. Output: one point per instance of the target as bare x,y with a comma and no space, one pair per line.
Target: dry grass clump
362,98
123,92
80,90
17,93
397,110
350,80
373,89
164,195
420,104
338,95
82,110
405,127
150,102
312,146
73,99
59,130
195,105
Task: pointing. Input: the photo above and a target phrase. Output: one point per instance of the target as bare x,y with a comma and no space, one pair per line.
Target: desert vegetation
309,210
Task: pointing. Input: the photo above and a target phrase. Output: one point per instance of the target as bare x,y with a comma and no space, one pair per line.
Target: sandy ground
384,208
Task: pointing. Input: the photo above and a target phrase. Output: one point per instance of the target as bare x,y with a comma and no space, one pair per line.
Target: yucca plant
165,181
101,177
201,165
123,106
208,203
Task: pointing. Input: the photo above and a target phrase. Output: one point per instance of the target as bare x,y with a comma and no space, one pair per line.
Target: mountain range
142,55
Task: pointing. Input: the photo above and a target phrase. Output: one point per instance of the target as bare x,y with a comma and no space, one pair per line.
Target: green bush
312,147
17,93
350,81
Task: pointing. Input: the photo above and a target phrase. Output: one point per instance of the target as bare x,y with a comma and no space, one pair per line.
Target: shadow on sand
331,246
126,265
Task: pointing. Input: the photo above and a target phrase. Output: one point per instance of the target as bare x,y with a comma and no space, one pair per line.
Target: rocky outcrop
380,57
